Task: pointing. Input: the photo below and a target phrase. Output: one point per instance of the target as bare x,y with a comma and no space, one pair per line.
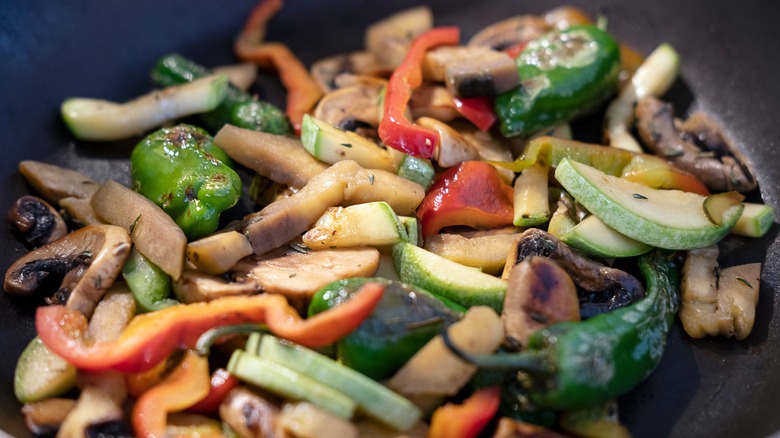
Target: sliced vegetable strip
468,419
185,386
151,337
302,91
395,129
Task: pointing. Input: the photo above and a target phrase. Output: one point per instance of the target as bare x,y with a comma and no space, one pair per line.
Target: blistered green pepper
563,73
403,322
237,108
187,175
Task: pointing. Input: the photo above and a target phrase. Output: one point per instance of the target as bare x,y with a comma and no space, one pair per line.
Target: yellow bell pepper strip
302,91
466,420
641,168
152,337
184,387
395,128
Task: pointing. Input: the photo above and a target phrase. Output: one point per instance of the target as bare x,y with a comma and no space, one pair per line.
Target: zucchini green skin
238,108
403,322
563,73
150,286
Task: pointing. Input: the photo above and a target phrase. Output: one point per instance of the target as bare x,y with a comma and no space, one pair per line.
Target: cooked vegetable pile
431,253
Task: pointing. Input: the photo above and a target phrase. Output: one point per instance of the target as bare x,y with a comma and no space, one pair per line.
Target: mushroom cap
90,259
36,221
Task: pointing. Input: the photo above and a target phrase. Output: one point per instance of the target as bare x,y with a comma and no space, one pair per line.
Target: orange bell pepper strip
468,419
186,385
395,128
471,194
302,91
152,337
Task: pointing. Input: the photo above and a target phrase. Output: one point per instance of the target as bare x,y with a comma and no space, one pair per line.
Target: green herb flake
745,282
135,222
371,179
346,145
303,249
638,196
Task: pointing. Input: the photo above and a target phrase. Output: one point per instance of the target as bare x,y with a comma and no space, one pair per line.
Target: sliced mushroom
100,403
717,166
433,101
280,158
45,417
510,32
89,259
490,147
487,73
80,210
600,288
298,273
564,17
55,183
510,428
358,104
242,75
196,287
250,415
325,71
154,233
539,293
389,39
219,252
37,222
452,149
305,420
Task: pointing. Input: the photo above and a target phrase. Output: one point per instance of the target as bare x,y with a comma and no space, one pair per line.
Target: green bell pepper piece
150,286
238,107
403,322
187,175
571,365
563,73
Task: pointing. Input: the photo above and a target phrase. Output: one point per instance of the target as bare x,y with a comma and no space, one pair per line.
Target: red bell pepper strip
515,49
478,110
472,194
222,382
468,419
151,337
185,386
302,91
395,129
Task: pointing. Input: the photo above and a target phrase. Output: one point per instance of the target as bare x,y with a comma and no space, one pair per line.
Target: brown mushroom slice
600,288
436,60
280,158
487,251
358,104
55,183
659,133
219,252
370,185
306,420
90,259
153,232
196,287
453,148
112,313
510,428
487,73
45,417
510,32
325,71
250,414
434,101
37,222
80,210
389,39
242,75
490,147
298,273
539,293
564,17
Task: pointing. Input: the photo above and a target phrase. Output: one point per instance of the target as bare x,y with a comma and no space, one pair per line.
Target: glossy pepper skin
187,175
468,419
401,324
395,128
563,73
152,337
573,365
471,194
238,107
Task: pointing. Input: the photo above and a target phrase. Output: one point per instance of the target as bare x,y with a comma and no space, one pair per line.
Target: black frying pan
103,48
